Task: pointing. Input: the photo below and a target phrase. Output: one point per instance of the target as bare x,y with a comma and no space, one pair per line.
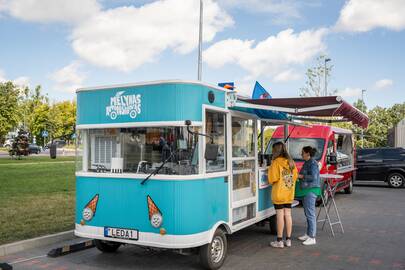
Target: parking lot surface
373,218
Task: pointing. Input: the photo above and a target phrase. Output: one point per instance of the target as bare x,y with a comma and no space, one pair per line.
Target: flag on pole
260,93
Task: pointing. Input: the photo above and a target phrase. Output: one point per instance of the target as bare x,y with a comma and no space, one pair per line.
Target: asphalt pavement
373,218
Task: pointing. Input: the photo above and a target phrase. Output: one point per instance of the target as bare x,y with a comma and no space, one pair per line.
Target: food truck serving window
138,150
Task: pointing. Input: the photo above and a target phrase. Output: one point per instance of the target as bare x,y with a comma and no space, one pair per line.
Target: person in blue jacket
309,189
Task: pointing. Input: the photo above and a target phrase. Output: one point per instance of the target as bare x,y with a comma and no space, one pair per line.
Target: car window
391,153
368,154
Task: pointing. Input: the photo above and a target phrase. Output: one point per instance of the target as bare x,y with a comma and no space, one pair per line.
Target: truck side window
215,123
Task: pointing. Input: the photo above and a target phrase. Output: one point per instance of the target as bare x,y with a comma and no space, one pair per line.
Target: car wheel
106,246
349,189
396,180
212,255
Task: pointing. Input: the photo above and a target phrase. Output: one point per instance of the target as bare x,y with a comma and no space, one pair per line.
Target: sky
64,45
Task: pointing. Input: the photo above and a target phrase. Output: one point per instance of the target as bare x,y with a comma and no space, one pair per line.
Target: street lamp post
325,72
200,42
363,104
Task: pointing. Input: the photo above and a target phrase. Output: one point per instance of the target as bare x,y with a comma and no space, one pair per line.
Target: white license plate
121,233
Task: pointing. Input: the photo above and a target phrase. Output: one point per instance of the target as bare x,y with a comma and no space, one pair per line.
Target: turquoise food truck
169,164
191,197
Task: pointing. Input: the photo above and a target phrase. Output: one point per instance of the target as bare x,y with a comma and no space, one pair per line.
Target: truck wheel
396,180
273,224
107,246
349,189
212,255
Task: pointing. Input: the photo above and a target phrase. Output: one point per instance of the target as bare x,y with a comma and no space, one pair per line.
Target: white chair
117,165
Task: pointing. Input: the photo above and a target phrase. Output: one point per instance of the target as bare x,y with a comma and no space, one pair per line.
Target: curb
41,241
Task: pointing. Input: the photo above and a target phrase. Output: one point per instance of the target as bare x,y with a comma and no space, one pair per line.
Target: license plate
121,233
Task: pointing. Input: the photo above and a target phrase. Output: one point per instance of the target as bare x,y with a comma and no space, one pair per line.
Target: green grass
36,197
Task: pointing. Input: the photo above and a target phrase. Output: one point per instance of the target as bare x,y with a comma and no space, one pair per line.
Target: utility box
52,150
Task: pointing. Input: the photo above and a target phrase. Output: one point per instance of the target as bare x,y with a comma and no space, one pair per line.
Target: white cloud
271,57
349,92
285,8
127,37
21,81
287,75
384,83
365,15
2,76
46,11
68,78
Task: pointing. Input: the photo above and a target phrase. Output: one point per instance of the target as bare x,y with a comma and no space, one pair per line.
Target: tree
40,121
380,121
63,118
9,108
314,86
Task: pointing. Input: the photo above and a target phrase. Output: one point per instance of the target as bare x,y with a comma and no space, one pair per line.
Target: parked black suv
381,164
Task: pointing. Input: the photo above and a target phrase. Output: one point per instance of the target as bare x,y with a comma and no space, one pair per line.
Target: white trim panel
318,108
140,124
161,177
115,86
149,239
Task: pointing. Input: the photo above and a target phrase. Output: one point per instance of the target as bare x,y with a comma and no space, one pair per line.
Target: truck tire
273,225
106,246
396,180
212,255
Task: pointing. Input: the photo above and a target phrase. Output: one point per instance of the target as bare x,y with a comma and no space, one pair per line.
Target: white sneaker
309,242
277,244
288,243
303,238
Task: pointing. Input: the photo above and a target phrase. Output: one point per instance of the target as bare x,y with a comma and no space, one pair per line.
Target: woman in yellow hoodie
282,176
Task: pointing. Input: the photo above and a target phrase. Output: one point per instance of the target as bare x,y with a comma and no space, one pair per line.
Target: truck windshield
296,145
139,150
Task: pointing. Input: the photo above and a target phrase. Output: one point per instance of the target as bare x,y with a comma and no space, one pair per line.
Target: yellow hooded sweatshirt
283,179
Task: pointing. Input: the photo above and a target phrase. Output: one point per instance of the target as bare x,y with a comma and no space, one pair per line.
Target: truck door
243,169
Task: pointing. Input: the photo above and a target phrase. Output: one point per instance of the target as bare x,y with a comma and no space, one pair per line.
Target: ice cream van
169,164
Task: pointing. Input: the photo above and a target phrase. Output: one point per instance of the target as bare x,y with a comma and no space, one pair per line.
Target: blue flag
260,93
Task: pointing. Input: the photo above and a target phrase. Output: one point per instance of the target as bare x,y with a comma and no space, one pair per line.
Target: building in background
396,135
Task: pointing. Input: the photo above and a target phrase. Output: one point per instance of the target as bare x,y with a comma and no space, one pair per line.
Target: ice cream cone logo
89,210
153,209
155,216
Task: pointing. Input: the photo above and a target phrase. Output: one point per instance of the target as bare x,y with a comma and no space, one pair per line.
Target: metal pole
362,130
286,136
326,80
261,138
200,42
324,71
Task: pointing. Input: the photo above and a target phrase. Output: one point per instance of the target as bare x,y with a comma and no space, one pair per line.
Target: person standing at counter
282,176
309,190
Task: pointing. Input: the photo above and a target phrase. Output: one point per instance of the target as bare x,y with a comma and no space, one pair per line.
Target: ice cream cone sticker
155,216
89,210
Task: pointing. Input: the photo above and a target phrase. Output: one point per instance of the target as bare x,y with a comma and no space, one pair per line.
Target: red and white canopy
330,106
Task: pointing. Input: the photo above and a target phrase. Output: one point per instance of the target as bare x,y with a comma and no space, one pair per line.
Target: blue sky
63,45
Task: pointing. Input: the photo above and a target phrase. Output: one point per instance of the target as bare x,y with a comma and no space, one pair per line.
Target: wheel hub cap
217,249
396,181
